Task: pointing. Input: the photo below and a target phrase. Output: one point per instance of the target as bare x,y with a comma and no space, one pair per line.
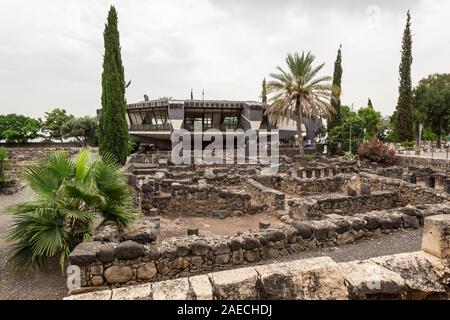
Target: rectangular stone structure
311,279
436,236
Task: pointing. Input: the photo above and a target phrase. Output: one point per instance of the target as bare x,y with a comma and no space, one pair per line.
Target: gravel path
50,283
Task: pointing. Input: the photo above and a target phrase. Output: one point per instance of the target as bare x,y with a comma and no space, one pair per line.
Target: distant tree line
56,125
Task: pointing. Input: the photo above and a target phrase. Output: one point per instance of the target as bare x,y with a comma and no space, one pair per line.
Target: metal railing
150,127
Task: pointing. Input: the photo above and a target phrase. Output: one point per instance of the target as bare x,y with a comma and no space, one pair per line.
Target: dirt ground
49,284
174,227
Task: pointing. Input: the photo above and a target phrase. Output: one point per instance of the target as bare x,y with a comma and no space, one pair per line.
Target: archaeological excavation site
218,232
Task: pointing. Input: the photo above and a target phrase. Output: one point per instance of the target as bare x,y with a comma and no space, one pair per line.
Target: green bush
132,146
309,158
408,144
69,196
376,151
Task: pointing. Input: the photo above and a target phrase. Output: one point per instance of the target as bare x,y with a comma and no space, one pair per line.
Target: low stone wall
129,262
413,276
296,186
415,161
273,200
316,207
184,199
407,193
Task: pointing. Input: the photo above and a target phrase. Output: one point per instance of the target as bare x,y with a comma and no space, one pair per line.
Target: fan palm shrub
299,92
69,195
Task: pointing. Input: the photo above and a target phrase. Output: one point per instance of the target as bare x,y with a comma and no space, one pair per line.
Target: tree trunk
439,141
417,129
299,127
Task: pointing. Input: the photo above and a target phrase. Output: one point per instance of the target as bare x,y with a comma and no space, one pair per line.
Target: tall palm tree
298,92
69,194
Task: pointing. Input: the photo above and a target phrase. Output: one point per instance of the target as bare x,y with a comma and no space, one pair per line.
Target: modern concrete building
152,121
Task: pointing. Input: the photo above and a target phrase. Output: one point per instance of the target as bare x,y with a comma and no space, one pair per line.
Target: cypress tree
336,100
113,133
264,93
403,120
369,103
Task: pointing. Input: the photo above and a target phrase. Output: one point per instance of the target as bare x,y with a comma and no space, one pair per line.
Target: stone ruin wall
129,262
418,276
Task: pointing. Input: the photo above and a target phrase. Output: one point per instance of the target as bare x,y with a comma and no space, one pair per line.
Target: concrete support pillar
436,236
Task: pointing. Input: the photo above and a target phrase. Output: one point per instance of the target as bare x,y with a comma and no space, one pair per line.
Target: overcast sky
51,50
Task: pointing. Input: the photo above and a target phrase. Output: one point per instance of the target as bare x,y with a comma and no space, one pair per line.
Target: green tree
18,128
113,133
432,104
83,130
54,121
264,93
350,131
298,92
403,119
70,194
336,101
371,120
369,103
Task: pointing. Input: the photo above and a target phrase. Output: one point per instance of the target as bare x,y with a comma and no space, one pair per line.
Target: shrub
132,146
69,196
309,158
408,144
376,151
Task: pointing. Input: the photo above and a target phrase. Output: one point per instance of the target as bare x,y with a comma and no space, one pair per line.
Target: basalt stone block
85,253
275,236
342,226
411,212
107,253
199,248
372,222
129,250
182,250
222,214
147,271
222,259
304,230
221,248
365,189
358,224
118,274
252,255
351,192
250,243
291,235
192,231
410,222
235,244
264,225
